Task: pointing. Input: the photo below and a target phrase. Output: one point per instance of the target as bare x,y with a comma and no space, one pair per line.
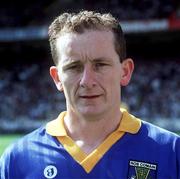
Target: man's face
89,72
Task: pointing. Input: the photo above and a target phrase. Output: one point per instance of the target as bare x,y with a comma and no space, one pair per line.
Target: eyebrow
71,63
99,59
102,59
75,62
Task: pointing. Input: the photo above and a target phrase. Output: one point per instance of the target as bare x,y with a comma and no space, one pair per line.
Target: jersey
137,149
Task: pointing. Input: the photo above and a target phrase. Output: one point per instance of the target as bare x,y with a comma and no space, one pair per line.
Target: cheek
70,84
67,79
115,85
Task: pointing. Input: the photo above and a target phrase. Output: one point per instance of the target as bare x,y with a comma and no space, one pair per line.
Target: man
94,138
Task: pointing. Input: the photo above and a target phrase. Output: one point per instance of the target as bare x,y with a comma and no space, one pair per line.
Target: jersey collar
128,123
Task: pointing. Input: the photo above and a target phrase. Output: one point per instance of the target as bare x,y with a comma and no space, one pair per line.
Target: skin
90,75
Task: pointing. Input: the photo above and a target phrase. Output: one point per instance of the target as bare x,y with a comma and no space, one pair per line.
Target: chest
121,161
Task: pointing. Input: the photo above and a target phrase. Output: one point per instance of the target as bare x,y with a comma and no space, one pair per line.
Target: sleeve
4,161
178,157
6,164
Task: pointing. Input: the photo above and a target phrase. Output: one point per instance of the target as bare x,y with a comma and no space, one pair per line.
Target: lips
89,96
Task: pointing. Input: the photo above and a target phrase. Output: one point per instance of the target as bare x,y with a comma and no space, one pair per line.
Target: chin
87,112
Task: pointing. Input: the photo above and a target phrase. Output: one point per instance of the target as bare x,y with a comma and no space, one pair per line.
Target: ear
55,76
127,70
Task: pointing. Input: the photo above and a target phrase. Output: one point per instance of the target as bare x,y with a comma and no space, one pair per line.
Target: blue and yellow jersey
137,149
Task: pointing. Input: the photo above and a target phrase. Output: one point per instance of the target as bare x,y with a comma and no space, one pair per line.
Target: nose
88,78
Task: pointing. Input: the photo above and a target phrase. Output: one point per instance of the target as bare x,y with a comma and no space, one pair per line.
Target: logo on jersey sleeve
50,171
141,170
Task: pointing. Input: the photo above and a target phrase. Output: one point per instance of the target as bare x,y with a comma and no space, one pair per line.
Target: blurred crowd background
28,96
26,13
26,91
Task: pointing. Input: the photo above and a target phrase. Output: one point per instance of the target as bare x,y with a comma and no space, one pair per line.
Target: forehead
90,43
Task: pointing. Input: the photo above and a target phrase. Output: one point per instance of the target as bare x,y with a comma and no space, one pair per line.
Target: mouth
89,96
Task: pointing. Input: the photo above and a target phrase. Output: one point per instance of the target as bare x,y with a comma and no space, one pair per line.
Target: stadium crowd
154,90
135,10
27,13
27,91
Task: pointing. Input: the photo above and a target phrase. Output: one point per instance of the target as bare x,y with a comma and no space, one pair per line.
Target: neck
88,134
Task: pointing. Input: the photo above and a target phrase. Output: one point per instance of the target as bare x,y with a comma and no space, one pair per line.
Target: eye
75,67
100,65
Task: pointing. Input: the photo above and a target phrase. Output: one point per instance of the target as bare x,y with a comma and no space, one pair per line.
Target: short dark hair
86,20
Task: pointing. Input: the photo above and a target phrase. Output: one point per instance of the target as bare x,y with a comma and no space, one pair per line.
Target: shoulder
158,134
24,143
26,153
32,137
